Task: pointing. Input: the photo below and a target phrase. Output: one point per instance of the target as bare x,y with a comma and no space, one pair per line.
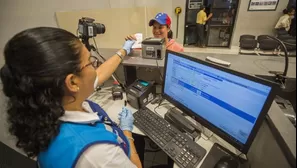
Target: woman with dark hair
162,29
47,76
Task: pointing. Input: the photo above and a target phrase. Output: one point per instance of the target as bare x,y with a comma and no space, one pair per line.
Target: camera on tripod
88,29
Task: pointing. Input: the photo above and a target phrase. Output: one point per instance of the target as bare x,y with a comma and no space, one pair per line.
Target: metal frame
263,9
186,15
232,28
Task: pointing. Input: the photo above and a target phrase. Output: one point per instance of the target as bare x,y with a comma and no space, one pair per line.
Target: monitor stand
179,121
216,153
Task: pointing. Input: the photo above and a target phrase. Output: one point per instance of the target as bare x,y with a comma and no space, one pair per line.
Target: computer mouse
227,162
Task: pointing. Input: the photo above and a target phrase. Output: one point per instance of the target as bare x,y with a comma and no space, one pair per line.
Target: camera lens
100,28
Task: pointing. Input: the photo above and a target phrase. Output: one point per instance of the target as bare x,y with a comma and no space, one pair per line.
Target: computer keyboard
178,146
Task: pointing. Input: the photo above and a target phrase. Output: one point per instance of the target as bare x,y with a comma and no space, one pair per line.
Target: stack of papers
137,44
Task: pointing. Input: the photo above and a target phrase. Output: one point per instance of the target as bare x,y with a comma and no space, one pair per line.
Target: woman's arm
126,124
105,70
134,156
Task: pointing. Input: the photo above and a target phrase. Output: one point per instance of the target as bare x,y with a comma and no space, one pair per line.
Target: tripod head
85,41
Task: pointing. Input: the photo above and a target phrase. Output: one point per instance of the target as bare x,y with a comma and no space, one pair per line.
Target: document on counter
137,44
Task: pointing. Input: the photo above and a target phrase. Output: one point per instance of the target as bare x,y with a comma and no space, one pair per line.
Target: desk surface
259,65
253,65
104,99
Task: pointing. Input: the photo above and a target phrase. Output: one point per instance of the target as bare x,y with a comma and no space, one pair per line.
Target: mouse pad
214,155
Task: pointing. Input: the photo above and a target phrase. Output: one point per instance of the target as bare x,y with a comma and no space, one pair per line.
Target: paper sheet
137,44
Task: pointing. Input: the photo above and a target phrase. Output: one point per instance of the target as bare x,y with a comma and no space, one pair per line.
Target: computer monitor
231,104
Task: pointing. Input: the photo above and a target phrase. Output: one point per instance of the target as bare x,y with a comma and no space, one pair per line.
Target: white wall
181,25
255,22
17,15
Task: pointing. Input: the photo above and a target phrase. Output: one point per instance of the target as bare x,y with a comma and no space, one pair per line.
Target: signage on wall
263,5
195,4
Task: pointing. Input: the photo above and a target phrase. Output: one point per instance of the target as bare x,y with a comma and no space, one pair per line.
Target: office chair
291,47
261,37
285,37
281,32
249,46
246,36
267,47
9,158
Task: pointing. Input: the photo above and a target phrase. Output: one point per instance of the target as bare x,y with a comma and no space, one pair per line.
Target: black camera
87,27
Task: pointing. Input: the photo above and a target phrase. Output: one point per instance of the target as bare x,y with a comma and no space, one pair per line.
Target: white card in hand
137,44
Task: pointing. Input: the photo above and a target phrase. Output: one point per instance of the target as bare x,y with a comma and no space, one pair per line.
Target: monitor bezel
235,143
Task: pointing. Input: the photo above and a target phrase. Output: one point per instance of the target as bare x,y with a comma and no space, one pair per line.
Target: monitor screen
227,101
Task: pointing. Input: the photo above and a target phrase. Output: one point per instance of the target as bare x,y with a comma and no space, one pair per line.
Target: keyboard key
190,165
173,154
168,138
195,159
177,144
180,160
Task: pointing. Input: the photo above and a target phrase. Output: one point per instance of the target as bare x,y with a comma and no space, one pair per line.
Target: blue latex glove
128,45
126,119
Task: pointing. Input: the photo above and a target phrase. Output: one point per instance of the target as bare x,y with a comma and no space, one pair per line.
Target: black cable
286,53
289,44
207,137
114,73
159,70
242,162
160,106
97,51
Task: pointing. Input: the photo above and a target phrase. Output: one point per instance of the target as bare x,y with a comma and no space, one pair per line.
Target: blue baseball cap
161,18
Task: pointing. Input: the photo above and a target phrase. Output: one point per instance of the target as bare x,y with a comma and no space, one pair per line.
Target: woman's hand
130,37
130,40
126,119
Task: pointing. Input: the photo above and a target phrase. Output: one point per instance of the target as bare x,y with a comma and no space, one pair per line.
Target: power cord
97,51
207,137
160,106
242,162
114,76
161,76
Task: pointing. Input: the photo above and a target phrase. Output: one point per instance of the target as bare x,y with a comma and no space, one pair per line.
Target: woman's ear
71,83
